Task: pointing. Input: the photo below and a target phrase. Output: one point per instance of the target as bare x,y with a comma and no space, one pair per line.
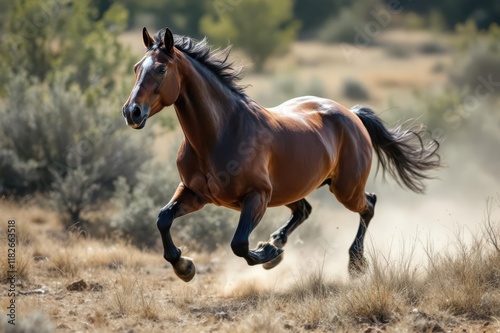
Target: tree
261,28
314,13
61,131
483,12
42,37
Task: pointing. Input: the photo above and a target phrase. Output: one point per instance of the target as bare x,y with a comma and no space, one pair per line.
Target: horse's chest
215,185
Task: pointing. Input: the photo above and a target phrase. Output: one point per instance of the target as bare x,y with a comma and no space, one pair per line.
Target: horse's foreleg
357,261
183,202
253,208
301,210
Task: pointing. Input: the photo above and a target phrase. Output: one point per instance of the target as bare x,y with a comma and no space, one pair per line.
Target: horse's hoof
184,268
274,262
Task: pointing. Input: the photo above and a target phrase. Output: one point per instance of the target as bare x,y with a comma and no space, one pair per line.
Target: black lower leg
300,212
171,253
357,261
253,208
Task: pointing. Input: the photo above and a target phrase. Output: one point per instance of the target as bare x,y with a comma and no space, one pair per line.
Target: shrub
344,27
477,57
260,36
55,135
137,210
340,28
432,47
355,90
139,207
53,141
289,85
75,194
42,37
397,50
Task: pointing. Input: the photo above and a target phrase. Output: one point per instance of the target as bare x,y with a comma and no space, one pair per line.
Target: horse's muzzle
134,116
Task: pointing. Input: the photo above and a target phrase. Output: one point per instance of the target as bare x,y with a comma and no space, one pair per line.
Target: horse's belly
296,181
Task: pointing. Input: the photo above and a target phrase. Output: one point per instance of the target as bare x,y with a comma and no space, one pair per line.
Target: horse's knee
164,219
240,248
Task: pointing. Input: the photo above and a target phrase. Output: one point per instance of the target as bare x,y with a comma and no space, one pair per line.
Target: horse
243,156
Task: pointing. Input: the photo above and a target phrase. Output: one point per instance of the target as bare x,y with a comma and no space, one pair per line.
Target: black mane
217,61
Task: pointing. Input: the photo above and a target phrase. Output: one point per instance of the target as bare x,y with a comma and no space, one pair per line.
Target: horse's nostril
136,112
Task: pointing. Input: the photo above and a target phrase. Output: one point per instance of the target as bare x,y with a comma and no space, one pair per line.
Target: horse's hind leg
357,261
300,212
349,191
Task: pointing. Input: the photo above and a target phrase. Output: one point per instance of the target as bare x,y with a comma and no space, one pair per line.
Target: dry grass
457,288
466,280
129,294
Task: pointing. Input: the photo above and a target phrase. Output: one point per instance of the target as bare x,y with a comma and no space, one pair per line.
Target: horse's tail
402,153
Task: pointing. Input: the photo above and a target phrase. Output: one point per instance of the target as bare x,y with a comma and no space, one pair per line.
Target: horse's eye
162,70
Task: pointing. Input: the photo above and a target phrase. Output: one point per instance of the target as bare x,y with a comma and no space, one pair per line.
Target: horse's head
157,81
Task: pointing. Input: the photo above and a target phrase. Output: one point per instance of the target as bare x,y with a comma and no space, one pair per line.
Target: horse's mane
216,61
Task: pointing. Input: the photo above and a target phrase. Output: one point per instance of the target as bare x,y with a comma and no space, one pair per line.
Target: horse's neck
204,109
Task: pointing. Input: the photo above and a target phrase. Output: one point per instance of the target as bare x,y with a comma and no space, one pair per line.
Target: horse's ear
168,41
148,41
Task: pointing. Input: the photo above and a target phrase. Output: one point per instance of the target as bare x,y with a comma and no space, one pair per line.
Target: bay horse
242,156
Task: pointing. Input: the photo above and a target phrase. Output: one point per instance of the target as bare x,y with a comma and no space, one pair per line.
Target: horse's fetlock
240,248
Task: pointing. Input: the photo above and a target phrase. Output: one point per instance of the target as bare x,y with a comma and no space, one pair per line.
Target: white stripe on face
146,65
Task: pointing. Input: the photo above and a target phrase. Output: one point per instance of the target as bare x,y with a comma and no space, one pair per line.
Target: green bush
260,36
289,85
60,62
398,50
476,58
137,213
341,28
52,141
433,47
345,26
139,207
43,37
355,90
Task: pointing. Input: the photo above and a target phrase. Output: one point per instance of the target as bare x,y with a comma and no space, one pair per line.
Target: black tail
402,153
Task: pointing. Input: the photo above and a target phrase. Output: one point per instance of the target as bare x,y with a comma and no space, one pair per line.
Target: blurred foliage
182,17
355,90
56,134
50,137
476,59
349,22
289,85
260,36
314,13
41,37
139,206
465,112
482,12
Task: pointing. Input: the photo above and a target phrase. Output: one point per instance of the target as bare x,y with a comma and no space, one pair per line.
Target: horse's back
325,115
320,138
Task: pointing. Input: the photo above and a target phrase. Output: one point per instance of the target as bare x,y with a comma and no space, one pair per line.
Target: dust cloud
406,225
